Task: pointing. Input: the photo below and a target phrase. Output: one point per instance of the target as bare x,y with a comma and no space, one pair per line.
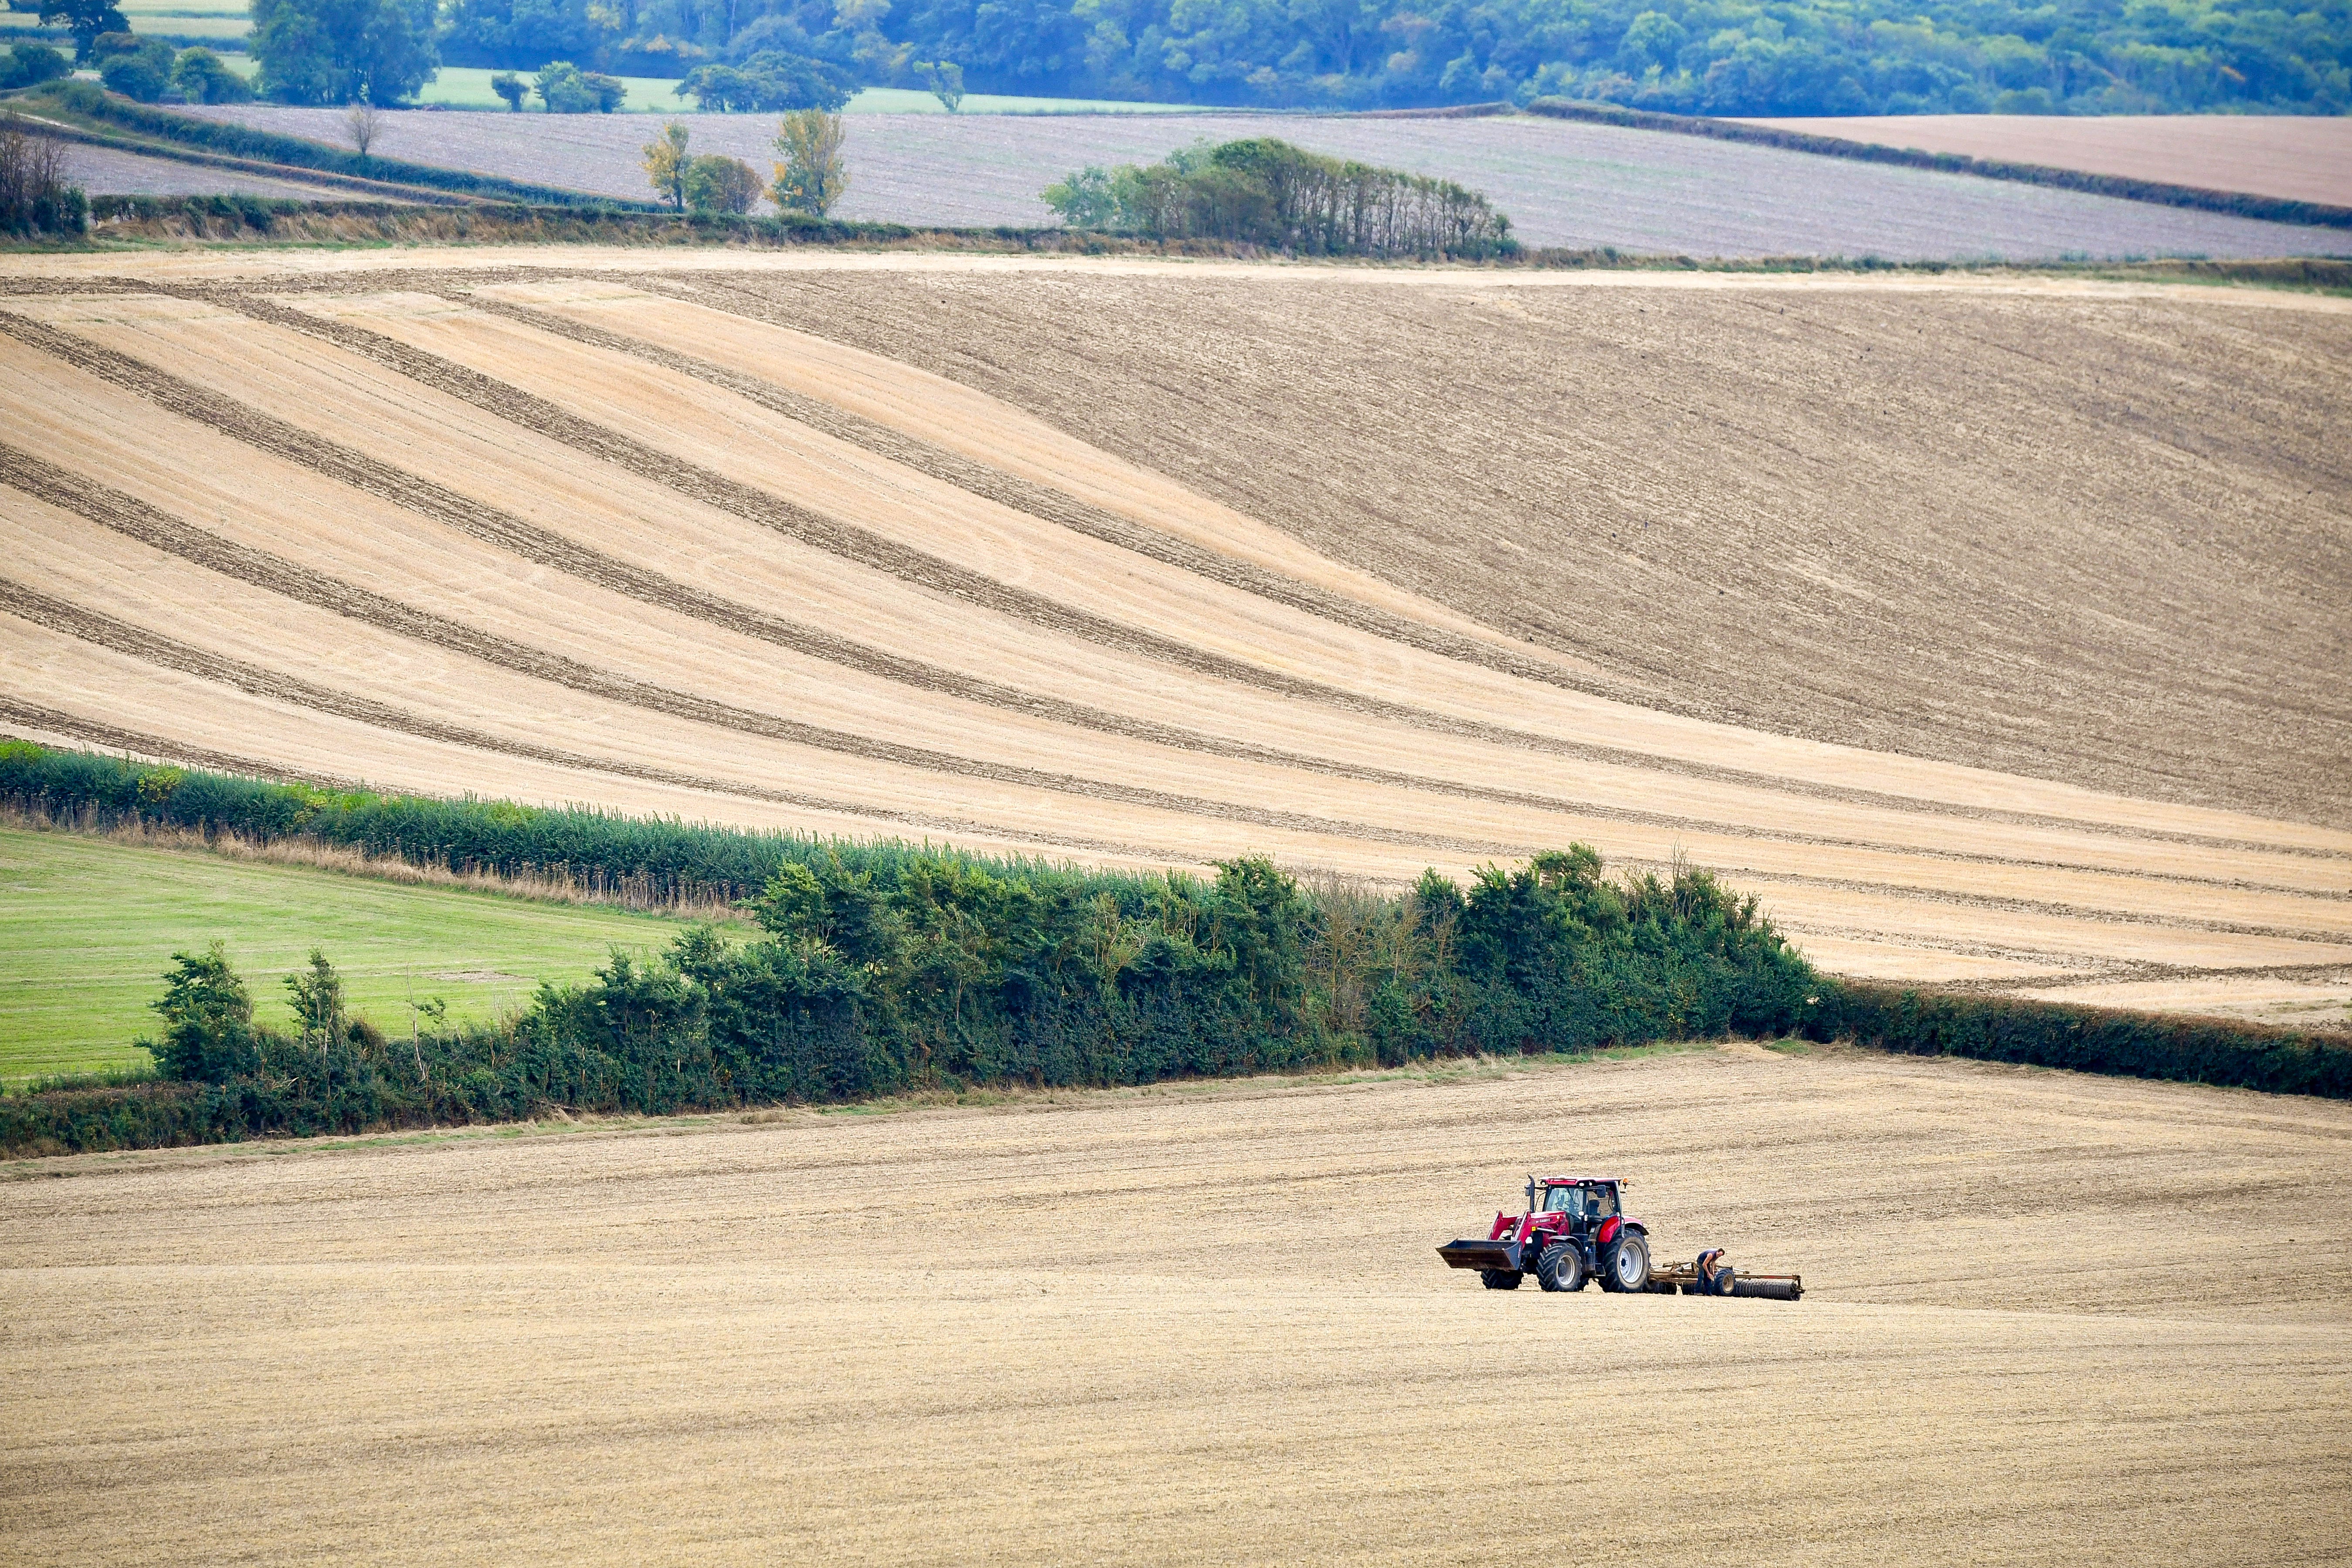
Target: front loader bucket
1502,1254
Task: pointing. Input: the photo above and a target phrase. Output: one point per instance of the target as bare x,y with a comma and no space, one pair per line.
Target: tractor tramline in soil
1575,1229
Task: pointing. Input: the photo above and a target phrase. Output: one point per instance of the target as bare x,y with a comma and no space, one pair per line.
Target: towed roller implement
1575,1229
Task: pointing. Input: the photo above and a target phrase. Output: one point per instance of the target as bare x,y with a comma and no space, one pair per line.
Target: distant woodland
1699,57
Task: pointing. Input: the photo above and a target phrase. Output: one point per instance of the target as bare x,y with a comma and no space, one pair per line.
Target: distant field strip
590,540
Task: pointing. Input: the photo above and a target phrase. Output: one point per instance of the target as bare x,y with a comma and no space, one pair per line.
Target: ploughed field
1562,183
2300,157
2047,1319
1983,630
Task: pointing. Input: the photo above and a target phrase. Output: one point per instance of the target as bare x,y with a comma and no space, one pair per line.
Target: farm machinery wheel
1499,1279
1560,1267
1626,1267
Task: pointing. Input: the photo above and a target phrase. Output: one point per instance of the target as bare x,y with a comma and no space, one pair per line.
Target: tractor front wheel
1560,1267
1499,1279
1627,1265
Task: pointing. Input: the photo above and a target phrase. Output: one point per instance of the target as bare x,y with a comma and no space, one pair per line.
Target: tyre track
516,406
120,637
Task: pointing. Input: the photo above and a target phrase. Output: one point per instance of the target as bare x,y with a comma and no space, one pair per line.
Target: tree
812,176
339,51
768,82
201,78
34,195
361,125
86,19
565,89
208,1034
142,72
715,183
665,164
317,998
30,65
511,88
945,80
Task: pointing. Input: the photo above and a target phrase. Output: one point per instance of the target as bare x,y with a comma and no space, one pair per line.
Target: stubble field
1563,183
681,540
2048,1321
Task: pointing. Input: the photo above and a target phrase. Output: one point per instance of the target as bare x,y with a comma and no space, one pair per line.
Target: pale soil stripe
127,515
1619,756
930,570
120,637
402,620
1051,505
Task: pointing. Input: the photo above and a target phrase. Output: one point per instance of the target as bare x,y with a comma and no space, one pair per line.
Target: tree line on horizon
1692,56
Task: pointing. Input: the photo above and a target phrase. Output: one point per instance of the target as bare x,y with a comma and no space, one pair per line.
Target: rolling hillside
714,541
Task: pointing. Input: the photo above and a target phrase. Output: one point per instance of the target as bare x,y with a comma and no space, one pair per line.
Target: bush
565,89
719,184
143,73
199,77
30,65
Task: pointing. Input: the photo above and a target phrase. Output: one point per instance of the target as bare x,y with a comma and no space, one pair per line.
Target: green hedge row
2274,209
2086,1039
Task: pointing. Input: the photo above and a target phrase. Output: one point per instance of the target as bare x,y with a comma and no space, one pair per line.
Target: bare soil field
105,171
2047,1319
2304,158
1563,183
1367,571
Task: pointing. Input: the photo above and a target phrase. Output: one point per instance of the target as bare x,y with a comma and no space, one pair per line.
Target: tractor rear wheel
1626,1266
1499,1279
1560,1267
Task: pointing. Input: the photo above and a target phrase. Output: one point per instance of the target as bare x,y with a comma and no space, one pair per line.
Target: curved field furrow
1910,833
2125,896
655,548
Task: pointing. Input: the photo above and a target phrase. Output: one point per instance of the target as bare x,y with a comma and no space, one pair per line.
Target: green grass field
87,927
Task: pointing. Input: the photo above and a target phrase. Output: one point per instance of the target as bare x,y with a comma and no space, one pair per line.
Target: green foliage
2085,1040
1267,193
139,72
945,79
208,1033
716,184
565,89
199,77
87,20
1704,57
511,88
811,174
30,65
768,82
343,51
527,33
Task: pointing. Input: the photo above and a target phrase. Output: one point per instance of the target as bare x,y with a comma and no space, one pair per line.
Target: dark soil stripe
518,407
281,576
1052,505
120,637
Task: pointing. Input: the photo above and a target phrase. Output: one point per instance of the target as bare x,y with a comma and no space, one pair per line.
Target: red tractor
1574,1229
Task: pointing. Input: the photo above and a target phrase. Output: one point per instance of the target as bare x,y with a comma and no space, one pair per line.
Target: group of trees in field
808,176
562,89
1267,193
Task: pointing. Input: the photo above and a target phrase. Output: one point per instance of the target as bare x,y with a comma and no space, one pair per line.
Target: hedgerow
888,967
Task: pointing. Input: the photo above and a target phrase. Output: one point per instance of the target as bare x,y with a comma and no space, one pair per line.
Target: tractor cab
1585,1205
